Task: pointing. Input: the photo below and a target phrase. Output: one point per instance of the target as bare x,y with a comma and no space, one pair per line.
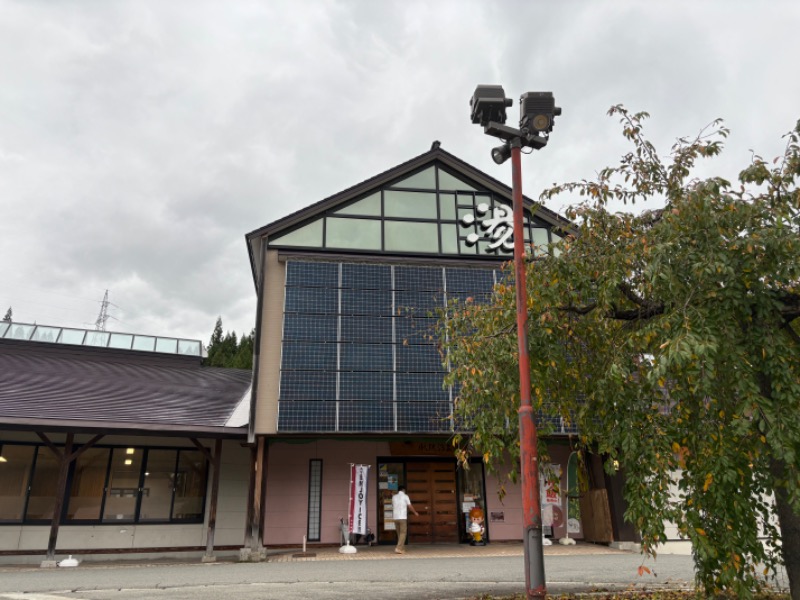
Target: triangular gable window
368,207
411,216
424,180
309,236
448,182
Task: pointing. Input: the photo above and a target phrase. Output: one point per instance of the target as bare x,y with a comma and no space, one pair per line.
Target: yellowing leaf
700,531
708,481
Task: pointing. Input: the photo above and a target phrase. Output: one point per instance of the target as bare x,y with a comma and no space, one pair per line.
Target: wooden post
61,490
64,459
212,511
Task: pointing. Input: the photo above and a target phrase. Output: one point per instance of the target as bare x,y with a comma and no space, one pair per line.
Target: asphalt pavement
374,573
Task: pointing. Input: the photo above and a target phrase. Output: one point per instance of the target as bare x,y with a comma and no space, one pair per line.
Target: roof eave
121,428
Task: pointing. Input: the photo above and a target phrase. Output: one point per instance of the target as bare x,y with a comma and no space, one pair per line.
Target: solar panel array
359,348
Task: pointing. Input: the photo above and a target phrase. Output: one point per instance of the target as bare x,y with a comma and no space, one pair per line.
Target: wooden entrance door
432,489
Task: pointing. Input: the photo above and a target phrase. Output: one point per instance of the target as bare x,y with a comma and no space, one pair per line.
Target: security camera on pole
537,113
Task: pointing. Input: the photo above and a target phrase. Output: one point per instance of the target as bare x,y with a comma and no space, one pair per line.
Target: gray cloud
140,141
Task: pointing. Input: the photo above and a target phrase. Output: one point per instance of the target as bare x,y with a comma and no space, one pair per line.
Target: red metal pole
529,453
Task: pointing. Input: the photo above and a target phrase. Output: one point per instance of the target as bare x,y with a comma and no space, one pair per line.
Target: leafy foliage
228,351
669,336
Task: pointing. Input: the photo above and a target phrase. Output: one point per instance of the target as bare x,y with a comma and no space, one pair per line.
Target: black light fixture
489,104
537,111
501,154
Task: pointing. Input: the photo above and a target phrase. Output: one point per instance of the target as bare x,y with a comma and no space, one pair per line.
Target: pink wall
511,506
286,504
286,507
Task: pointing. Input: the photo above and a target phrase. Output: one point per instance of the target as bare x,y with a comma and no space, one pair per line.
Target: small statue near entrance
476,527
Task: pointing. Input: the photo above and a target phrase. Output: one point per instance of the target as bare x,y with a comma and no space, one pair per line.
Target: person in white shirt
401,503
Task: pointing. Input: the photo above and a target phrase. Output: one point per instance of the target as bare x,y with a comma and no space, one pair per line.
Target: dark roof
50,386
436,153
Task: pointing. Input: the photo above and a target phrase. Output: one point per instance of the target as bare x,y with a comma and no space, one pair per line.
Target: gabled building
347,371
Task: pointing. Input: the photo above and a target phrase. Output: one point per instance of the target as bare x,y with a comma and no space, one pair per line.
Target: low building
114,442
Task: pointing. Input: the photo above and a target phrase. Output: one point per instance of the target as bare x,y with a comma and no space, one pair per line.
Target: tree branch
578,310
635,314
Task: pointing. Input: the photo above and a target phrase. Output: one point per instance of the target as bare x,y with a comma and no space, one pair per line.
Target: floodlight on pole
501,154
537,113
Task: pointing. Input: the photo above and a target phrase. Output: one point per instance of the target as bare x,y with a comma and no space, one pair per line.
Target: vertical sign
358,499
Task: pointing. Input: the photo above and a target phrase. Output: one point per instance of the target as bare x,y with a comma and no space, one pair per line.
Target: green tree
243,359
669,336
225,350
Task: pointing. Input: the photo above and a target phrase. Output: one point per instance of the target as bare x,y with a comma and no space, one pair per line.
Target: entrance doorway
432,489
441,492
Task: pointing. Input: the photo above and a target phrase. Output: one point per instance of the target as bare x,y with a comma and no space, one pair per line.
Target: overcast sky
140,141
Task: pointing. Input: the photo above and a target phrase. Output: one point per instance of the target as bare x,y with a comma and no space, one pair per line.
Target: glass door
391,475
471,494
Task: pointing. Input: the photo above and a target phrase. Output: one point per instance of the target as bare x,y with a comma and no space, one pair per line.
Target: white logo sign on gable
496,224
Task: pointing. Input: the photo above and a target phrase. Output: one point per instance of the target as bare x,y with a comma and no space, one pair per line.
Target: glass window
144,342
123,484
467,247
447,206
556,248
166,345
466,215
448,182
425,180
159,476
42,498
20,332
449,238
120,340
310,235
190,486
314,499
72,336
88,483
539,240
355,234
96,338
45,334
368,207
15,469
3,328
416,205
191,347
409,236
